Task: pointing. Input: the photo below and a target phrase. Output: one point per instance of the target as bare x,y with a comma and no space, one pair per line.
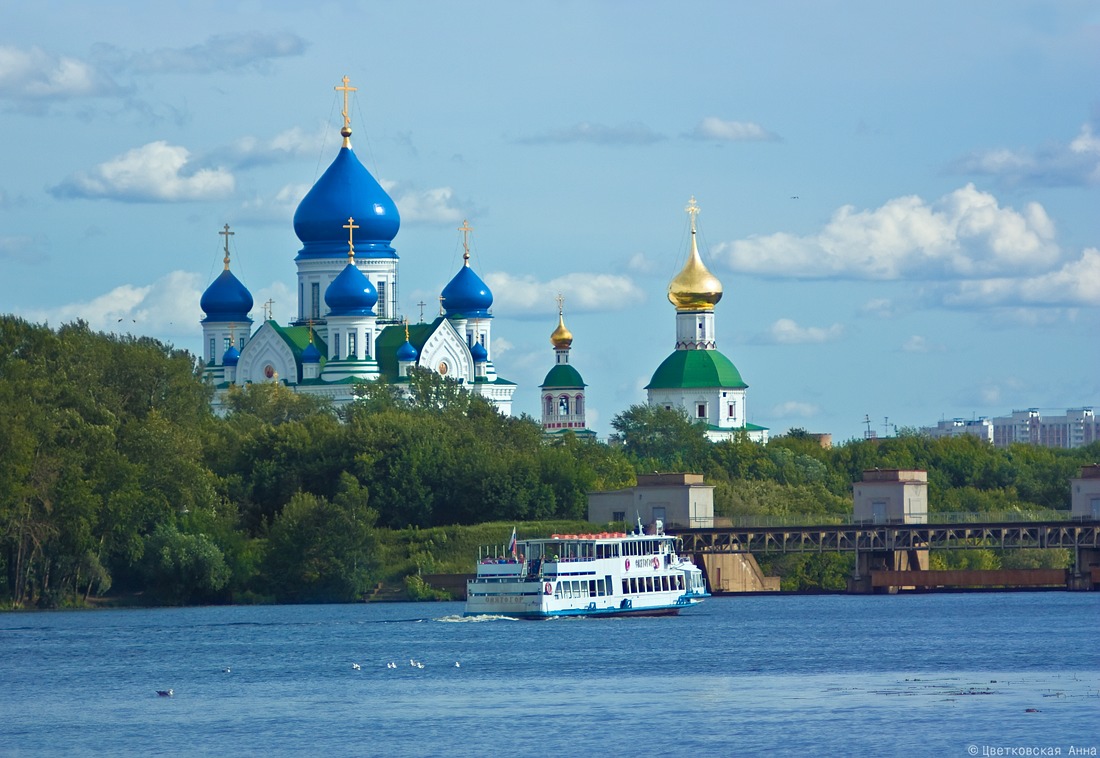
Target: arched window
549,405
563,405
578,404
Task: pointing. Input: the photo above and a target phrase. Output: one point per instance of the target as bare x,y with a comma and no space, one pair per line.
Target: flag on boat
512,543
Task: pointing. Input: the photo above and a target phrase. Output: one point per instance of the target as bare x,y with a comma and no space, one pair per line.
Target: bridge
886,554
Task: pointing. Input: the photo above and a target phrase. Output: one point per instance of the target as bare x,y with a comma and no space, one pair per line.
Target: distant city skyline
899,200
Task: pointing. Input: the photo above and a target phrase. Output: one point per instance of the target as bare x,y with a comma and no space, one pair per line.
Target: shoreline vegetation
118,485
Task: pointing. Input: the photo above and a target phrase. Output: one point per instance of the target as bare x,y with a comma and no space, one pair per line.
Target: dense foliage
115,476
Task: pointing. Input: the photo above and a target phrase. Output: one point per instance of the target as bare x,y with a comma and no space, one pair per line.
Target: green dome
562,375
696,368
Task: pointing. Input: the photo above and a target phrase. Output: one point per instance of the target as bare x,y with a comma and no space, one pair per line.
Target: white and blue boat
606,574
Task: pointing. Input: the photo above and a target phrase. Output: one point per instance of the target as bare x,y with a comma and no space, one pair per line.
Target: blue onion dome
466,295
479,353
226,299
311,354
232,356
407,352
351,293
346,190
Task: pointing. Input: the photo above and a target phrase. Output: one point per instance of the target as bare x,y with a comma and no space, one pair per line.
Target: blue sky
902,200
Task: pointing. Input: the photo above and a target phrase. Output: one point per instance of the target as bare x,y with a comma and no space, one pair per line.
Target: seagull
457,665
419,665
227,670
355,666
165,693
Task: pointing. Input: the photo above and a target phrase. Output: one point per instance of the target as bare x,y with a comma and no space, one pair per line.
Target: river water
944,674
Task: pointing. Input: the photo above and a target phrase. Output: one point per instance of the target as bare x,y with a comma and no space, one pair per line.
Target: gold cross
407,327
441,299
561,302
465,229
269,308
310,322
421,304
226,233
693,210
346,89
351,226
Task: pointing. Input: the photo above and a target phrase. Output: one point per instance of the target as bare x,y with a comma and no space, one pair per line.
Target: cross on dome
346,131
351,226
226,233
692,209
465,229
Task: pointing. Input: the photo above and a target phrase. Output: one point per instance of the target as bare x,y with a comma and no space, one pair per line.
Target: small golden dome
694,288
561,337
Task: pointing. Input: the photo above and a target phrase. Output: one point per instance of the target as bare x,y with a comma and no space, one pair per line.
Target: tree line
116,477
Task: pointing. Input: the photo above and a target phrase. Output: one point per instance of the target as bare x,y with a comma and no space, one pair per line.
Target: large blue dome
226,299
466,295
346,190
351,293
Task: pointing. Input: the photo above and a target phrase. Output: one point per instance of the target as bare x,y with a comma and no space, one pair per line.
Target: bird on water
165,693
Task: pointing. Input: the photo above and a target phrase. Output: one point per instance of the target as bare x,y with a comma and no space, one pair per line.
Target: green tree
322,551
179,567
662,439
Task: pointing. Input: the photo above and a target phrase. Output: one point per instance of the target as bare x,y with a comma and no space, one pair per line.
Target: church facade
348,328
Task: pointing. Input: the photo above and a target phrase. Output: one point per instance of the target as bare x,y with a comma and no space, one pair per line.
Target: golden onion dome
694,288
562,337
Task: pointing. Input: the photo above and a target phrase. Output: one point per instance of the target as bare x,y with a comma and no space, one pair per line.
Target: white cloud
430,206
284,303
640,263
275,208
33,74
598,134
714,128
965,234
501,346
221,52
794,409
23,249
1059,164
878,307
584,292
785,331
1075,283
918,344
150,173
168,305
252,151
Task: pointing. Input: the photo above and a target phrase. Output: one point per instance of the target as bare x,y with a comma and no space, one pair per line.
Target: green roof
393,337
562,375
696,368
297,338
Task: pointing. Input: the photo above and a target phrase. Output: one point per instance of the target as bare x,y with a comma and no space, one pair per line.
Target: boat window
607,585
626,586
592,589
680,582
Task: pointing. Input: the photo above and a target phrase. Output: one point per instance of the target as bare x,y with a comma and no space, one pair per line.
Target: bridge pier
867,561
1085,574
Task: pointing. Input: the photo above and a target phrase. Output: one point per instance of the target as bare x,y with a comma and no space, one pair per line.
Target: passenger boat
607,574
